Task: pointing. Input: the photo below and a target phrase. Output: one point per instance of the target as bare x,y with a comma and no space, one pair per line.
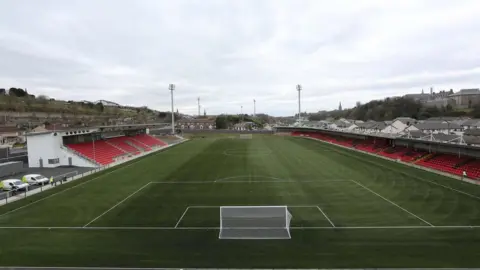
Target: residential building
196,124
419,97
11,134
465,98
398,125
440,102
436,127
470,124
371,126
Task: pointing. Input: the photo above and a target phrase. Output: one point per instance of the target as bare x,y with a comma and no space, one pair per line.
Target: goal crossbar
245,136
254,222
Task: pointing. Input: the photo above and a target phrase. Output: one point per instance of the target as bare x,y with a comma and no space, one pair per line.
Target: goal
246,136
254,222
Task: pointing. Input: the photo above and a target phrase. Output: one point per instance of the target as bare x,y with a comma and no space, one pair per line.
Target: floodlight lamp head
299,87
171,87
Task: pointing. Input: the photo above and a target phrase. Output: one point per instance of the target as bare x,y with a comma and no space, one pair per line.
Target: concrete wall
48,146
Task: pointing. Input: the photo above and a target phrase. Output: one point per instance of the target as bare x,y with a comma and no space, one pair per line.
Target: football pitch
350,210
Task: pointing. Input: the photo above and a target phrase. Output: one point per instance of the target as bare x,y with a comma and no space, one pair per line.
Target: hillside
18,103
391,108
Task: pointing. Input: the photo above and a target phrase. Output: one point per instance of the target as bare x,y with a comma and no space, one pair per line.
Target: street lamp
299,88
171,87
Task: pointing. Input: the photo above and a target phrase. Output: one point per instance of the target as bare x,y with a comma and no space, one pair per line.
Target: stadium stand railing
446,163
120,142
149,140
139,144
109,150
100,151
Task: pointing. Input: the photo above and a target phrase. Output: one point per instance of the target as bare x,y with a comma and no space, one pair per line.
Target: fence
11,196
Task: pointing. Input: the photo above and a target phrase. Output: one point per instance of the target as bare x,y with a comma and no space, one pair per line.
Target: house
50,127
340,124
11,135
465,98
397,126
436,127
371,126
470,124
196,124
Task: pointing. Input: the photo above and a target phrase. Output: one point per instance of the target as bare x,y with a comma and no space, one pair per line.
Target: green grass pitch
349,210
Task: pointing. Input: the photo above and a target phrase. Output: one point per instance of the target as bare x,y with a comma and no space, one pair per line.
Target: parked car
35,179
13,184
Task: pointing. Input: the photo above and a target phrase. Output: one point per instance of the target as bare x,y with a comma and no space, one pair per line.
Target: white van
35,179
13,184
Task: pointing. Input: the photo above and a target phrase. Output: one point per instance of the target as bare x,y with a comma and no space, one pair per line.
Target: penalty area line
180,219
387,200
120,202
325,215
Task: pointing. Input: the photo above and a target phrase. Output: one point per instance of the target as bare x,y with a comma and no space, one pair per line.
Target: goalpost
246,136
254,222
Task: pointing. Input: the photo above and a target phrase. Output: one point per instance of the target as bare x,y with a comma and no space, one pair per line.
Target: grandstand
450,158
90,147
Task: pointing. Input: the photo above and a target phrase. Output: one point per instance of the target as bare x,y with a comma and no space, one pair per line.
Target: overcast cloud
231,52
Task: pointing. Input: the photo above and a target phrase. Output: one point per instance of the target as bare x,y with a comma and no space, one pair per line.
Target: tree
221,122
476,111
42,98
3,91
100,107
17,92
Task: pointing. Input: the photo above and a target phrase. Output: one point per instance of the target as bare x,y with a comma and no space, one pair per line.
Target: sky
229,53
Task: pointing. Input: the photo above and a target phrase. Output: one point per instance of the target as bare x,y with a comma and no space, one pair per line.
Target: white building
398,125
46,149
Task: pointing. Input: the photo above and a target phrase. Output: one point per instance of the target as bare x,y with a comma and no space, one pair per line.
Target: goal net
254,222
246,136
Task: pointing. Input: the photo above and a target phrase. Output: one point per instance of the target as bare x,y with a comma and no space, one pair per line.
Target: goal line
446,227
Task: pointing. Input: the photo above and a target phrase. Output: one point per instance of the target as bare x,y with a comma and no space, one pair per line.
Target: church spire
340,106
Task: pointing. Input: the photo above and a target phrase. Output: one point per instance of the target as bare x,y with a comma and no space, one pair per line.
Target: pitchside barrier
11,196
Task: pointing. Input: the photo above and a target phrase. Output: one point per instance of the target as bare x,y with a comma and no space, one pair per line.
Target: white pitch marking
260,181
217,228
115,169
423,220
325,215
419,178
144,186
249,176
180,219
